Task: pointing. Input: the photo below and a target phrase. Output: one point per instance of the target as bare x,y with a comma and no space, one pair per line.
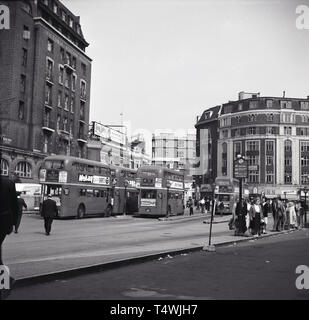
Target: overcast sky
162,62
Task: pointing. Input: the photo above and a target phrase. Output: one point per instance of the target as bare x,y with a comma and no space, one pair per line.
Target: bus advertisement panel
125,193
80,187
161,191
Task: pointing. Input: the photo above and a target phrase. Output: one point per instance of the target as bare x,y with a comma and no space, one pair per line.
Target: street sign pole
210,247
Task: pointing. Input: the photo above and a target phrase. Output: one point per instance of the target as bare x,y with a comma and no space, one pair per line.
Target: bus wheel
108,211
81,211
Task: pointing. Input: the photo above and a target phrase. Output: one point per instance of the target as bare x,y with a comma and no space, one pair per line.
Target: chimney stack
284,94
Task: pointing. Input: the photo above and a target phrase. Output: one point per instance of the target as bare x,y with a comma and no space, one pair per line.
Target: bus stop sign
240,168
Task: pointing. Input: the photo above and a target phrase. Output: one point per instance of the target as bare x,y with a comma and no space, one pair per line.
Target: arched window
4,167
23,169
224,159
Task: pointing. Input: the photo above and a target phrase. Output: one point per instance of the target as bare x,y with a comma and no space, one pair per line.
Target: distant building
111,145
207,135
273,134
174,151
44,87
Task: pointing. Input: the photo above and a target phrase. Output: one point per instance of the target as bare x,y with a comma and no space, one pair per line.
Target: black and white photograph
154,153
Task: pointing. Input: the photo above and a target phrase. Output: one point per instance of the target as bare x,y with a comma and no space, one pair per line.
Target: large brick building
44,86
273,134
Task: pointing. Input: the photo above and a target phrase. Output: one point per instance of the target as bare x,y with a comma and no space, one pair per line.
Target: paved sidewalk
83,244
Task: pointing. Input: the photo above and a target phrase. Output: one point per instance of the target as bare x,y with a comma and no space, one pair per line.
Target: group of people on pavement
250,217
204,205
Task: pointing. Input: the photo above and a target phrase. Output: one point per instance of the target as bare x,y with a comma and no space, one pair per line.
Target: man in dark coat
8,209
20,205
49,212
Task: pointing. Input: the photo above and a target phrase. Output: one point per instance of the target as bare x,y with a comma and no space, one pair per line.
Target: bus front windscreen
148,198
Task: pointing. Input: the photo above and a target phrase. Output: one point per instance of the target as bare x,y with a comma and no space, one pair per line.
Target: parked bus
125,195
161,191
79,186
227,191
31,193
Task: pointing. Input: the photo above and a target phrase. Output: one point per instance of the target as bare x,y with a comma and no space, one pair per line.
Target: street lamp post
210,247
125,197
168,185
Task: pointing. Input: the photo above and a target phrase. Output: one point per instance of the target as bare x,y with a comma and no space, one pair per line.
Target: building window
304,178
65,124
83,69
72,104
45,145
49,69
269,177
288,146
74,82
25,56
4,167
240,106
22,83
288,130
270,130
63,16
83,89
48,95
269,160
287,117
59,99
224,133
237,149
50,45
269,104
21,110
270,146
304,105
304,146
252,145
62,54
61,74
270,117
287,177
288,161
285,104
58,122
253,104
71,127
82,111
23,169
66,102
253,176
252,130
55,9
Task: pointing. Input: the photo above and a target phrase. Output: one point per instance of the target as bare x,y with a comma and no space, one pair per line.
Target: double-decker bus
227,191
79,186
161,191
125,193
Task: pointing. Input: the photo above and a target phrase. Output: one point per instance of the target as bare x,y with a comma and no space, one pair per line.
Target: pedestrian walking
49,212
190,205
267,211
292,216
202,204
274,205
255,217
20,205
279,215
241,213
221,208
301,214
8,213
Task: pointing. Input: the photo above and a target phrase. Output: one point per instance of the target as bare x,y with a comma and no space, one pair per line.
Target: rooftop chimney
283,94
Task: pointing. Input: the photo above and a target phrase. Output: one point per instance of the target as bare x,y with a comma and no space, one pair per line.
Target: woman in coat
255,217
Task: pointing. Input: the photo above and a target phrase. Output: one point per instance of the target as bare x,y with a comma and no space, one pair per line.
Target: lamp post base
210,248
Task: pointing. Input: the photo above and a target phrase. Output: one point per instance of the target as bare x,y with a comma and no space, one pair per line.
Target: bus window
54,164
96,193
52,190
89,192
82,192
160,195
149,194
